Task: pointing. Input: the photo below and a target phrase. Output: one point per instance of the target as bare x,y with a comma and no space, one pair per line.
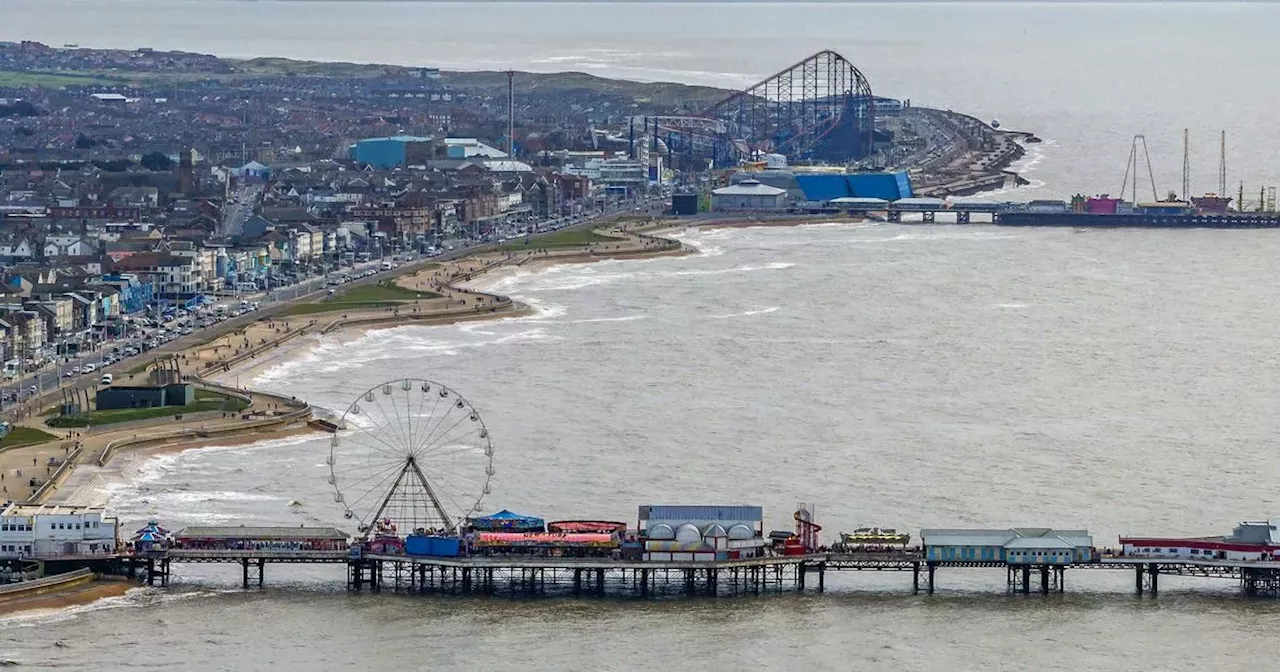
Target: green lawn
25,436
16,78
385,294
573,238
206,400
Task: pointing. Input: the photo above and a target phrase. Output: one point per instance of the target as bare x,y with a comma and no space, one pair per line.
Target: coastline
460,280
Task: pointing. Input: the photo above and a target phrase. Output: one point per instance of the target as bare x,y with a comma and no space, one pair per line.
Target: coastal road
50,382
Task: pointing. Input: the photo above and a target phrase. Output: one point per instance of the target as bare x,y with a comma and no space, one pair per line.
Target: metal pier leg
1153,570
164,576
577,581
600,581
151,572
1062,579
244,565
915,578
644,582
1137,579
1026,579
261,565
1044,580
800,577
466,579
822,577
931,567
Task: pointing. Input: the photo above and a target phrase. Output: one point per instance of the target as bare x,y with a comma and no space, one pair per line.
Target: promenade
215,363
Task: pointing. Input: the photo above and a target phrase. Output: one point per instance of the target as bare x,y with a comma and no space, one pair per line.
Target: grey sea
893,375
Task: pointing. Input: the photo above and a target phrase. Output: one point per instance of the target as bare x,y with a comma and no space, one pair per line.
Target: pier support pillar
800,571
1044,580
962,217
1026,579
929,217
466,579
915,578
931,568
1153,571
1137,579
600,581
822,576
577,581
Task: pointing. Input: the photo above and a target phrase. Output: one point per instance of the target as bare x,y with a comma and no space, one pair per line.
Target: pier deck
600,576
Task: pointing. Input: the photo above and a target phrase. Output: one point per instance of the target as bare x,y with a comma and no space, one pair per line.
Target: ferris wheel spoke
443,416
401,425
377,487
389,448
415,413
394,432
450,439
356,482
447,431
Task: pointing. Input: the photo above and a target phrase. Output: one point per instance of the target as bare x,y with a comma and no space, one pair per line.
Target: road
45,386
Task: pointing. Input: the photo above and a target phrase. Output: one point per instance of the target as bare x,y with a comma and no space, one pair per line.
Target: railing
44,582
62,470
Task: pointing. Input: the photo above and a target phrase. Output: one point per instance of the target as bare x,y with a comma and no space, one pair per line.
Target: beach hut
507,521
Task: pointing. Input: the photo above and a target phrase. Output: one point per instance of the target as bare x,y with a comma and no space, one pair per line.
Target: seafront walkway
70,469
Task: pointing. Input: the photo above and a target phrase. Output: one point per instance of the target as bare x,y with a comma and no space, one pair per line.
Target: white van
107,378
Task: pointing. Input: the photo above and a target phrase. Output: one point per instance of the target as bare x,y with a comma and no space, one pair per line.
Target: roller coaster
818,110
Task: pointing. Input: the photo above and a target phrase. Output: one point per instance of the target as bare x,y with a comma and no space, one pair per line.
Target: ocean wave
748,313
745,268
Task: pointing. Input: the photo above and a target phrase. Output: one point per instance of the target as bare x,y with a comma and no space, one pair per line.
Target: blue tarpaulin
506,521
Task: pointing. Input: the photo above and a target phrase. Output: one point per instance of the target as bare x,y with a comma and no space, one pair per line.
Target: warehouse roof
749,188
260,533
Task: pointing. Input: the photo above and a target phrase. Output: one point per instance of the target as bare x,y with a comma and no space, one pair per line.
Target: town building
55,531
748,195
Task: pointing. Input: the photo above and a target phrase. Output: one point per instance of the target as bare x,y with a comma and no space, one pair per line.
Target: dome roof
741,531
662,531
688,533
715,530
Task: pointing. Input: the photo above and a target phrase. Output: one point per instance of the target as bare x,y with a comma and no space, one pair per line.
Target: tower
1186,165
1222,166
511,114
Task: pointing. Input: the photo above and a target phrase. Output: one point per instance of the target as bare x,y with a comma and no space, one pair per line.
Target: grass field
574,238
385,294
24,436
206,400
50,79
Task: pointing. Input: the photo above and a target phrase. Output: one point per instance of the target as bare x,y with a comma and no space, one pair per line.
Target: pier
528,576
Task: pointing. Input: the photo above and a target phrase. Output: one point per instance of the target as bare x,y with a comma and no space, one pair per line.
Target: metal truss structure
820,109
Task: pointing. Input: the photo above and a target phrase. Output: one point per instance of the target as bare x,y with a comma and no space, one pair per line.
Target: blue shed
823,187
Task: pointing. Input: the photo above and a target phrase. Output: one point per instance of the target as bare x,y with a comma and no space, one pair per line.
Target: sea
898,375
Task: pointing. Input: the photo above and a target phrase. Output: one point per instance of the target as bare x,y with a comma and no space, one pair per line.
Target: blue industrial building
888,186
391,151
1016,546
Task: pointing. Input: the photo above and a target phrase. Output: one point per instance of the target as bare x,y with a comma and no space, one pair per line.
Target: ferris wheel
412,454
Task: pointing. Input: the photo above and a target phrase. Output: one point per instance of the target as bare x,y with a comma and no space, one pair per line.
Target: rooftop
261,533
